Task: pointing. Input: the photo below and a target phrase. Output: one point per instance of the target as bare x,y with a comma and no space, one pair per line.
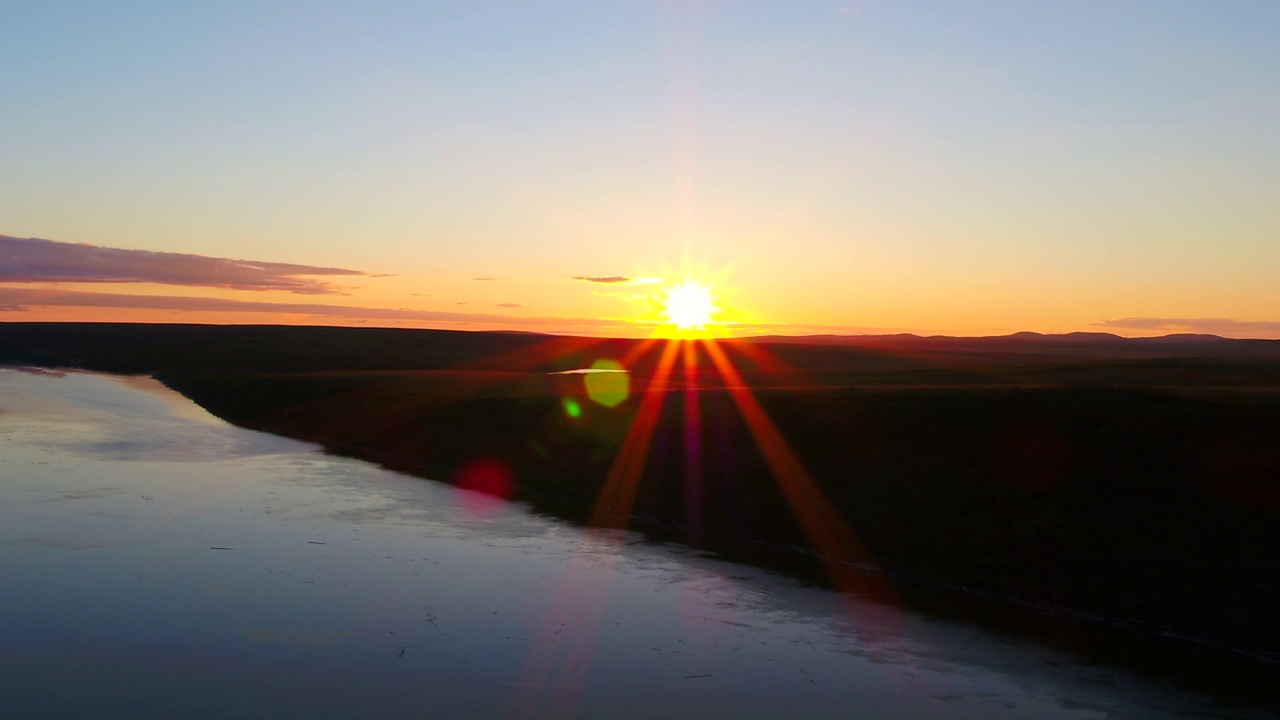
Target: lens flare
572,408
609,384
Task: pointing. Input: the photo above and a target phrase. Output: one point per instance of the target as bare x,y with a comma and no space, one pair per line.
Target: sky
969,168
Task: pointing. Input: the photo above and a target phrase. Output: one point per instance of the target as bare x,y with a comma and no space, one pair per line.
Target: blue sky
932,166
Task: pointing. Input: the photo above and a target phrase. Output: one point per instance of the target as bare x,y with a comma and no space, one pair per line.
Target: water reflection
161,563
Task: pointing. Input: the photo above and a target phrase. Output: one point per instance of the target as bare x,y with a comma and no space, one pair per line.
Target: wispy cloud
513,305
486,279
617,280
32,260
18,299
604,279
1227,326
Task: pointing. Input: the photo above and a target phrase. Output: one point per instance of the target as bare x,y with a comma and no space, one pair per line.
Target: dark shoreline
1079,511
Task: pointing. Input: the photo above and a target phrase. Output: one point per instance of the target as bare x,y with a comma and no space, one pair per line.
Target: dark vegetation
1133,483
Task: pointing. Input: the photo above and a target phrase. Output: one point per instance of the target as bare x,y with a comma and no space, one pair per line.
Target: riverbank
1140,492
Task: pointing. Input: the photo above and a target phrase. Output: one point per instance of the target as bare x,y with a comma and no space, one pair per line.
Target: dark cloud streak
33,260
608,279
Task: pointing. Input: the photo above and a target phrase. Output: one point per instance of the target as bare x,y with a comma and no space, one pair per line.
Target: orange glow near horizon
689,306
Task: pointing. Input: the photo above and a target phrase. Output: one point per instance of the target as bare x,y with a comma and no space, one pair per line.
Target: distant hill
1068,346
1023,336
825,359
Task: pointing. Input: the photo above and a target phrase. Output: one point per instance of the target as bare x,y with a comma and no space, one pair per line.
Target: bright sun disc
689,306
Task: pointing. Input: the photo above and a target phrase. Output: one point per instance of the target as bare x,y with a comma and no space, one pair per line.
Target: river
159,562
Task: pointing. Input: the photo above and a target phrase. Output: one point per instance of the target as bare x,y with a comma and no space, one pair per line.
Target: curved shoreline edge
1014,565
1050,509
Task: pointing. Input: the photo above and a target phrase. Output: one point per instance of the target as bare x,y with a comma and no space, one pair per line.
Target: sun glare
689,306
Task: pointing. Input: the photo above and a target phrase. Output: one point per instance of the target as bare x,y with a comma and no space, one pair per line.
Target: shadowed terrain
1135,483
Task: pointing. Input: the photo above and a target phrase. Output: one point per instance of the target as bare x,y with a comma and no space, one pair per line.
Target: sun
689,306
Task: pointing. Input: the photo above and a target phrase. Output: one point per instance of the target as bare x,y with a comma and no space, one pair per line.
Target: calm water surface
158,562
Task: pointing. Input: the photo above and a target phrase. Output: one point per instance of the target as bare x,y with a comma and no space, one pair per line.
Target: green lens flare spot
609,384
571,407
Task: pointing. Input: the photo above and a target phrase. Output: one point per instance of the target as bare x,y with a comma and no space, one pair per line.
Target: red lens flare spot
483,486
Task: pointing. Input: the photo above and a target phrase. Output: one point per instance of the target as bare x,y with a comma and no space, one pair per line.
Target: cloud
33,260
618,280
605,279
487,279
1197,325
513,305
69,298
